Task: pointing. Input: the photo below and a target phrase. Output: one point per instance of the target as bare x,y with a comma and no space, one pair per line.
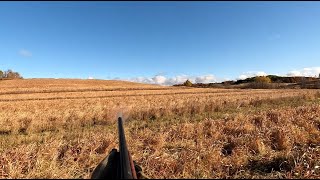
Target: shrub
262,79
187,83
9,74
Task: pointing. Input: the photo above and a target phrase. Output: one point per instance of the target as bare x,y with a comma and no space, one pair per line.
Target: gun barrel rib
125,168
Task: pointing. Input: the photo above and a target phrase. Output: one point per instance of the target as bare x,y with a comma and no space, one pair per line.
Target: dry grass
63,128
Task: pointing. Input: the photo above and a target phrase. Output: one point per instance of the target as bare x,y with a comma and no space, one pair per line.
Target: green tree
1,74
187,83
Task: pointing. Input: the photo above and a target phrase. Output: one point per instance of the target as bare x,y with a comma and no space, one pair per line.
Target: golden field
62,128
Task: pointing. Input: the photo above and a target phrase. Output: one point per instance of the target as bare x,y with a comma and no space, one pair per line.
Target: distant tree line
9,74
278,79
262,82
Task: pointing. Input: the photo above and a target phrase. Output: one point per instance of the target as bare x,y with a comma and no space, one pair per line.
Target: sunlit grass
171,132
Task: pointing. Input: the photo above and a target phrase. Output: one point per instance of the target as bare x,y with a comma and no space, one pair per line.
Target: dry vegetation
63,128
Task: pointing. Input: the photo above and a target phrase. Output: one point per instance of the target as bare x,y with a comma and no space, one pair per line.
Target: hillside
69,85
276,82
62,128
280,79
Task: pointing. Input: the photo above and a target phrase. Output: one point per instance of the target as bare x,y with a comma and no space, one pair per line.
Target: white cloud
261,73
252,74
142,80
310,72
294,73
242,76
25,53
90,77
159,79
162,80
178,79
205,79
209,78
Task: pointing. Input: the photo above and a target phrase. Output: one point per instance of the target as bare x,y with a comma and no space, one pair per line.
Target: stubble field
63,128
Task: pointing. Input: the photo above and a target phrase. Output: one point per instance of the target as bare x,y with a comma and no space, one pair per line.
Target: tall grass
171,133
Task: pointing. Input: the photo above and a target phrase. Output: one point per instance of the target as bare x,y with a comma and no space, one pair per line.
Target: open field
63,128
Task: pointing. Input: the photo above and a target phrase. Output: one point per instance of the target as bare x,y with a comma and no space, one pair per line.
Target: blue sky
159,42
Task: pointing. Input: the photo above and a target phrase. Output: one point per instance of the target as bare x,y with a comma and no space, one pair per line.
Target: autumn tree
260,82
10,74
262,79
187,83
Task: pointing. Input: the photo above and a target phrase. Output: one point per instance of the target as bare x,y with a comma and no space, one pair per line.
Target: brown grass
63,128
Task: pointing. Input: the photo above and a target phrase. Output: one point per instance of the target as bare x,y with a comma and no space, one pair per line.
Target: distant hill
70,85
276,82
280,79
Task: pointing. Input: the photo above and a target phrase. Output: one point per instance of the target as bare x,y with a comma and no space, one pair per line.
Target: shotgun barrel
118,164
125,167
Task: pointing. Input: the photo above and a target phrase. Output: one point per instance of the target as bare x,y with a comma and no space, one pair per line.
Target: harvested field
52,128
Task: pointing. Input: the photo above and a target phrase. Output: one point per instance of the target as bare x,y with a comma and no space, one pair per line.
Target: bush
187,83
262,79
262,82
9,74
